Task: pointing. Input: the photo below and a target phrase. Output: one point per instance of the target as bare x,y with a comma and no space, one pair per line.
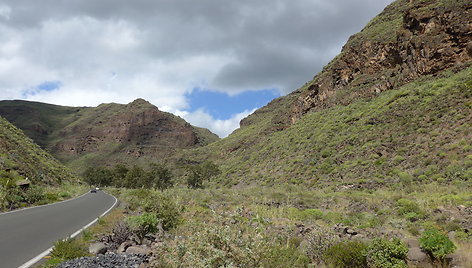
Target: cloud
120,50
220,127
5,12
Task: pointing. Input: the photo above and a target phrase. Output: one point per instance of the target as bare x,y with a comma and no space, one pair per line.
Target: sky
212,62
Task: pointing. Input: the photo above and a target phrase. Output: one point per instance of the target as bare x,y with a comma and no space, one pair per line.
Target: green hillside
421,131
389,106
22,160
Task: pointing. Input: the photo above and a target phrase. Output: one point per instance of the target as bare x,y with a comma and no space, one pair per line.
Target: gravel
109,260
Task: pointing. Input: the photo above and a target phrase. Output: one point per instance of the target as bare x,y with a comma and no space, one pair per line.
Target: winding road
25,234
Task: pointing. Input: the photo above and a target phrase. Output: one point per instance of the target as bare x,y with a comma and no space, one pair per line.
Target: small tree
135,178
119,175
198,173
194,177
160,176
98,176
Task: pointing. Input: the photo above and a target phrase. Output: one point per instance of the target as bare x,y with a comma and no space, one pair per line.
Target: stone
454,260
138,250
122,248
413,243
351,232
416,255
98,248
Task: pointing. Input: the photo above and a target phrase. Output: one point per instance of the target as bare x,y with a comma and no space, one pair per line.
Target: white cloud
117,51
5,12
220,127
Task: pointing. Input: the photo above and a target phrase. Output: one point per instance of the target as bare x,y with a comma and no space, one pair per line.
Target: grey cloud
272,43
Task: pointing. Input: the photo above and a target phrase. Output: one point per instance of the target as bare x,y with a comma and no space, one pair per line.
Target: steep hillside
421,131
107,134
395,103
20,154
23,161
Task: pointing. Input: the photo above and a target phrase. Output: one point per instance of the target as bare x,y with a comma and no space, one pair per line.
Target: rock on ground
106,261
98,248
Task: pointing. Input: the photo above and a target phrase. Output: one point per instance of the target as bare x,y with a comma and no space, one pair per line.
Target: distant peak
141,102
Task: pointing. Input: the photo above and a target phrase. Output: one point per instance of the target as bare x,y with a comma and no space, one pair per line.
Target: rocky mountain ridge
408,40
400,83
432,36
105,134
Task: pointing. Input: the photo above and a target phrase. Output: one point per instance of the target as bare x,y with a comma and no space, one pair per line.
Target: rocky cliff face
138,124
425,37
107,134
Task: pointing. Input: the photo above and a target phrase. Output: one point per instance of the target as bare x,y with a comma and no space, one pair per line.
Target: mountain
395,103
19,155
134,133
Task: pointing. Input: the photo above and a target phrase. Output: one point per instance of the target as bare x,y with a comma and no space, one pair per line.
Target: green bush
405,206
198,173
382,253
436,243
143,224
160,176
348,254
68,249
98,176
34,195
166,210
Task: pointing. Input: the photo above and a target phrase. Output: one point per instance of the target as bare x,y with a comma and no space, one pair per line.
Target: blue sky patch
49,85
222,106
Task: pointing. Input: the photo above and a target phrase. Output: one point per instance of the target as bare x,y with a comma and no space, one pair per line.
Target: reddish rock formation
432,38
139,127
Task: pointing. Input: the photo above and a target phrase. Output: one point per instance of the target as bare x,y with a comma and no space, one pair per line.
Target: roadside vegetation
343,187
292,226
29,175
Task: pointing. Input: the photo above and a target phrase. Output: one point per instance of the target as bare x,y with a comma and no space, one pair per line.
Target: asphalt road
26,233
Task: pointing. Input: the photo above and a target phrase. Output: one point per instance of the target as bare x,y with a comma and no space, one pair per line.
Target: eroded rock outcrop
432,36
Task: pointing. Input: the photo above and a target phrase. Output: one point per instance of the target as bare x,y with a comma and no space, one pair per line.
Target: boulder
413,243
454,260
417,258
98,248
138,250
122,248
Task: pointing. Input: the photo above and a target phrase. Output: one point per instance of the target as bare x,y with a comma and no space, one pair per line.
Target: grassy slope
34,116
419,131
20,153
20,158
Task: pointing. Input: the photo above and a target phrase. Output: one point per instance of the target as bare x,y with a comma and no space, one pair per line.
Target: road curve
26,233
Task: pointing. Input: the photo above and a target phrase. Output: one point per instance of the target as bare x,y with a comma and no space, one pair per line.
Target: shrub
317,243
166,210
34,195
214,245
349,254
143,224
436,243
405,206
284,256
386,253
98,176
68,249
198,173
160,176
